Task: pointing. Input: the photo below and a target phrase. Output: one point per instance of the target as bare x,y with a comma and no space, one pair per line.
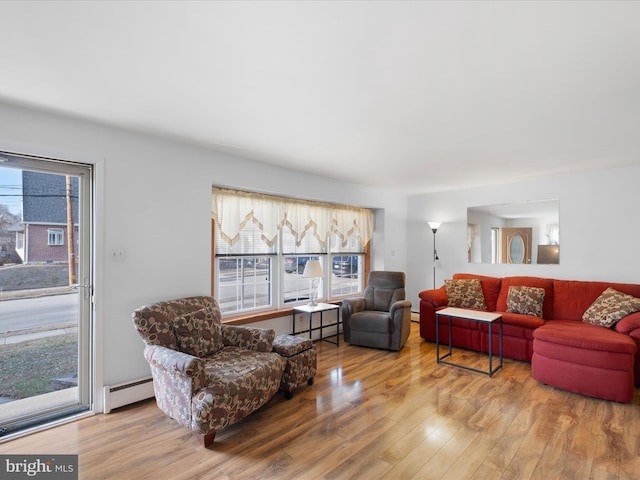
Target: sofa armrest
430,301
437,297
628,323
251,338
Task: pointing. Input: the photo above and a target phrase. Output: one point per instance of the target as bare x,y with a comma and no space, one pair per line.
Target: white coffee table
473,316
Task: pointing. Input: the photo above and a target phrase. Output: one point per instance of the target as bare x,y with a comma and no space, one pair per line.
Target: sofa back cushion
490,287
546,283
574,297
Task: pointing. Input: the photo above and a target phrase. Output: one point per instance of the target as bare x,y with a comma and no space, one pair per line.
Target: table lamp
313,270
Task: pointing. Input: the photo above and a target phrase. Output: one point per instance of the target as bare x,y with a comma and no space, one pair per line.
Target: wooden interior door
515,245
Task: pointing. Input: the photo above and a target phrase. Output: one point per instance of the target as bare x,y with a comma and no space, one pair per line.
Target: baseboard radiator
115,396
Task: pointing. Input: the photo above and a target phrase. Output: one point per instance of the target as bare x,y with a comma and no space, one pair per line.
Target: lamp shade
434,225
313,269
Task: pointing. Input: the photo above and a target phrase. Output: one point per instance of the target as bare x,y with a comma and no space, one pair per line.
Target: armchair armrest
173,361
349,307
176,378
400,314
251,338
400,308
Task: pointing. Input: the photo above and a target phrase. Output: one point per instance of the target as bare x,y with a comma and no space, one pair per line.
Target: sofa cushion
198,333
465,293
525,300
610,307
584,336
528,323
515,325
573,297
545,283
490,287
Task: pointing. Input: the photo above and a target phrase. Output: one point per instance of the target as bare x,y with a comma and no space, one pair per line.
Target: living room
153,190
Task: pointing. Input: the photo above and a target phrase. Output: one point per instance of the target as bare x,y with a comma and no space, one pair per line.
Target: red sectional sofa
564,351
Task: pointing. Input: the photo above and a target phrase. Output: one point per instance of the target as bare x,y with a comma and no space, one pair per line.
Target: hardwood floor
372,414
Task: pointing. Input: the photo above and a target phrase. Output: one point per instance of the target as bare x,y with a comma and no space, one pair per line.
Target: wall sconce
313,270
434,228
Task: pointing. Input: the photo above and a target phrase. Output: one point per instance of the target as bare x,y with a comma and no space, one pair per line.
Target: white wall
154,201
599,230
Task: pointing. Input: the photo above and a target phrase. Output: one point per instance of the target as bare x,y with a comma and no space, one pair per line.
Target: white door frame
89,350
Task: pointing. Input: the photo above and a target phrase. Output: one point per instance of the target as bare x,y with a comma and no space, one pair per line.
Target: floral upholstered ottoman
300,354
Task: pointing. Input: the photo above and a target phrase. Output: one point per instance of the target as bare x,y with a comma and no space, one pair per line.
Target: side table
318,308
473,316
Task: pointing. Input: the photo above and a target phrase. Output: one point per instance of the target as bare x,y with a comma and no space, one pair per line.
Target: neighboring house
43,238
5,246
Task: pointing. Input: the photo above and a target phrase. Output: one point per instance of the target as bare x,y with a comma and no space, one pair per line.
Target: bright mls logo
50,467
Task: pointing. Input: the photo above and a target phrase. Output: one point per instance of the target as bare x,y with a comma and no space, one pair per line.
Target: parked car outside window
295,264
344,265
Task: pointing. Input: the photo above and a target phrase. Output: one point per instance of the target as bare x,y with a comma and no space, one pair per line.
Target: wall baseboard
115,396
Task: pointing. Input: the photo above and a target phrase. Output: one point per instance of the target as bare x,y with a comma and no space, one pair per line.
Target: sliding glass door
45,290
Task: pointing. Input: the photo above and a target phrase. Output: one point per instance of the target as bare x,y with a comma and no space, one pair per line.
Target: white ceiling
410,96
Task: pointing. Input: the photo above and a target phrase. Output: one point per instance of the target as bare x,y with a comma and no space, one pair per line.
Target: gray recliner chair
382,318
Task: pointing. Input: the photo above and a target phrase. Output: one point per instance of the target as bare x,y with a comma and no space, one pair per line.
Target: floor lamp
434,228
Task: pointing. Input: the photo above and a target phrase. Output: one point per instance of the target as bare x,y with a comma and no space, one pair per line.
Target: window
244,271
55,236
262,244
346,267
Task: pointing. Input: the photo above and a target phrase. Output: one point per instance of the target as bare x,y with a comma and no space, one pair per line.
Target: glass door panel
45,290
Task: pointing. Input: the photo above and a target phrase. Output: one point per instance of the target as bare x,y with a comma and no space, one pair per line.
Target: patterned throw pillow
198,333
610,307
465,293
525,300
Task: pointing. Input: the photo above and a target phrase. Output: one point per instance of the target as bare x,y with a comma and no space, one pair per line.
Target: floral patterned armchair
206,375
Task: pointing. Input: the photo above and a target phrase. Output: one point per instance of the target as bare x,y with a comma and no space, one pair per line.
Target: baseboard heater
115,396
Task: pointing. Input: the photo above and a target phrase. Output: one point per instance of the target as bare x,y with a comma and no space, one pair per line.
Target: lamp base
313,293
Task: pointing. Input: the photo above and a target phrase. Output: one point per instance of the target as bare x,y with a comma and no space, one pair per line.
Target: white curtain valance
232,209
